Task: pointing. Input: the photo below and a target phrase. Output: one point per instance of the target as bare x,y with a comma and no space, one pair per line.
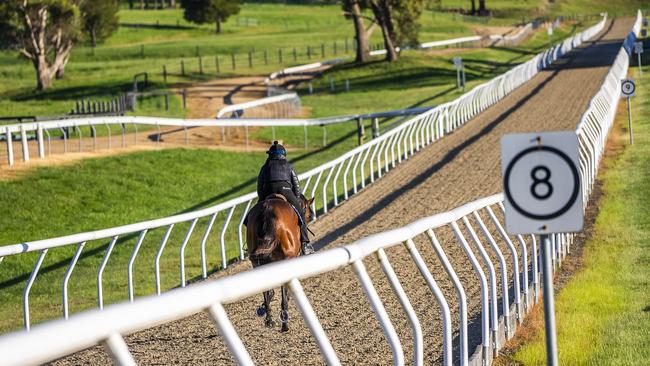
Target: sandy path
461,167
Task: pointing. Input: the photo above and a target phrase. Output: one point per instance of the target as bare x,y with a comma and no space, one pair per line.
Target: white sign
458,62
638,47
627,88
541,183
549,31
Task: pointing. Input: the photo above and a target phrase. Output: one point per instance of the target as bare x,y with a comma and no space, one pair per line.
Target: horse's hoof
261,311
284,316
270,323
284,328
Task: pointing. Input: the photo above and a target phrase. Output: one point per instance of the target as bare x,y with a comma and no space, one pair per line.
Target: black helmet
276,149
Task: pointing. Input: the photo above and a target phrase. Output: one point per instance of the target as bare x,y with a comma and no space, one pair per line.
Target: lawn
602,315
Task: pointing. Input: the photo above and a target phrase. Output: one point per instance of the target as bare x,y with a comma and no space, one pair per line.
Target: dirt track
461,167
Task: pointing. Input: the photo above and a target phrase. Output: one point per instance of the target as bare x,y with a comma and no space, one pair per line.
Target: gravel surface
462,167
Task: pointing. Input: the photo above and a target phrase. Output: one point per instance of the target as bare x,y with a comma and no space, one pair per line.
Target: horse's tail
266,240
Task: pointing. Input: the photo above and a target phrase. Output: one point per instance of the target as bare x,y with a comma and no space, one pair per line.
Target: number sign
627,88
638,47
458,62
541,179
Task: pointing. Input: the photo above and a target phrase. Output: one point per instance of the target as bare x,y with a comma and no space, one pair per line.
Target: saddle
279,197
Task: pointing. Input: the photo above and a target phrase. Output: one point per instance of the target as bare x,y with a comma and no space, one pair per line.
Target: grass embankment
106,192
603,313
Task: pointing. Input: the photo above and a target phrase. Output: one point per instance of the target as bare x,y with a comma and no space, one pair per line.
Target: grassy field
147,40
603,316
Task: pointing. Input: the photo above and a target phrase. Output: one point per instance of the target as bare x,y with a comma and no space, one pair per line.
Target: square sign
638,47
627,88
458,62
541,183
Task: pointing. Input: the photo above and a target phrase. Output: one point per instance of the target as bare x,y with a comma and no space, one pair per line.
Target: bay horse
273,234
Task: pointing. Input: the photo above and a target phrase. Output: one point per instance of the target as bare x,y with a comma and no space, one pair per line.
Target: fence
60,338
328,183
279,106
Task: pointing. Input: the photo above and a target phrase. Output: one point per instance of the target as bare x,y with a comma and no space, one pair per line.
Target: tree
482,10
100,18
352,9
473,11
42,31
396,18
208,11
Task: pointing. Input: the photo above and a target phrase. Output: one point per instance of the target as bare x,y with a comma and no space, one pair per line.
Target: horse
273,234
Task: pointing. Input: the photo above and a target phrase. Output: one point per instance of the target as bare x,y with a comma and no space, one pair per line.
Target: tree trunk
382,15
93,37
43,74
482,10
131,4
473,7
172,4
363,49
141,4
218,30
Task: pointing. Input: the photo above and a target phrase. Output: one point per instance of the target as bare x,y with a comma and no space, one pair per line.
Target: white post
39,137
10,148
23,140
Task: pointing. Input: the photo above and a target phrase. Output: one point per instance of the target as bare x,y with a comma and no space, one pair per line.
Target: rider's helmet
276,149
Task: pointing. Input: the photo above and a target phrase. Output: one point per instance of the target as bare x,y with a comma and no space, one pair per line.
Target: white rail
59,338
282,106
329,183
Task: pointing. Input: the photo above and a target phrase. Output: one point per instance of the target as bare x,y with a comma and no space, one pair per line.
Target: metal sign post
458,64
638,48
627,91
543,195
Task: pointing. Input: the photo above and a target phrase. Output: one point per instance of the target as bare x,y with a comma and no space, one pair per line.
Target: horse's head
306,206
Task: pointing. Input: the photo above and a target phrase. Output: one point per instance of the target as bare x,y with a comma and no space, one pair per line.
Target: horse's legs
284,311
268,296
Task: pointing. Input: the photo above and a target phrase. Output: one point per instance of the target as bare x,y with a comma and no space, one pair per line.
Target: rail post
10,148
375,128
39,137
216,63
182,68
280,56
200,65
23,140
184,98
360,131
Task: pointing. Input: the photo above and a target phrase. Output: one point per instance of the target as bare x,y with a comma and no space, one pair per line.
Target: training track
459,168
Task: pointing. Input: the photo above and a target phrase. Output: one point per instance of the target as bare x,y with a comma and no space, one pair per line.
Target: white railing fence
278,106
330,184
59,338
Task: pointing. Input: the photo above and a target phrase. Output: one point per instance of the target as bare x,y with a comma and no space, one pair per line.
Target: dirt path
204,101
461,167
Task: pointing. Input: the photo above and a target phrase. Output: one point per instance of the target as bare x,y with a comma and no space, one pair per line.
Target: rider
278,176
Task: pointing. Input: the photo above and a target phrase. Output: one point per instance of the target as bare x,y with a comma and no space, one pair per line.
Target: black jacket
277,169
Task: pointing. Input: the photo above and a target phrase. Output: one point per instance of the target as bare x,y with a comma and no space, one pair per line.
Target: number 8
544,180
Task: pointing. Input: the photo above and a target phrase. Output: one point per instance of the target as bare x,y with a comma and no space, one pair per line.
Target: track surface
461,167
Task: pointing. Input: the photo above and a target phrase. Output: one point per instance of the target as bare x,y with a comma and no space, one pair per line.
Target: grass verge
603,313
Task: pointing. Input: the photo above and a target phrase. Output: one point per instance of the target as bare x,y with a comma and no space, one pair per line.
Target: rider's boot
307,248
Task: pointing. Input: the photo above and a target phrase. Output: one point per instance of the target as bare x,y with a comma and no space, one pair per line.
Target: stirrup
307,249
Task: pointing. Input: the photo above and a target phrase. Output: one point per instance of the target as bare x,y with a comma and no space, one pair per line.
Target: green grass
108,70
603,314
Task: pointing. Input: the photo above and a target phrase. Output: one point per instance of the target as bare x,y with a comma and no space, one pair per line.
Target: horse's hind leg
268,296
284,311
